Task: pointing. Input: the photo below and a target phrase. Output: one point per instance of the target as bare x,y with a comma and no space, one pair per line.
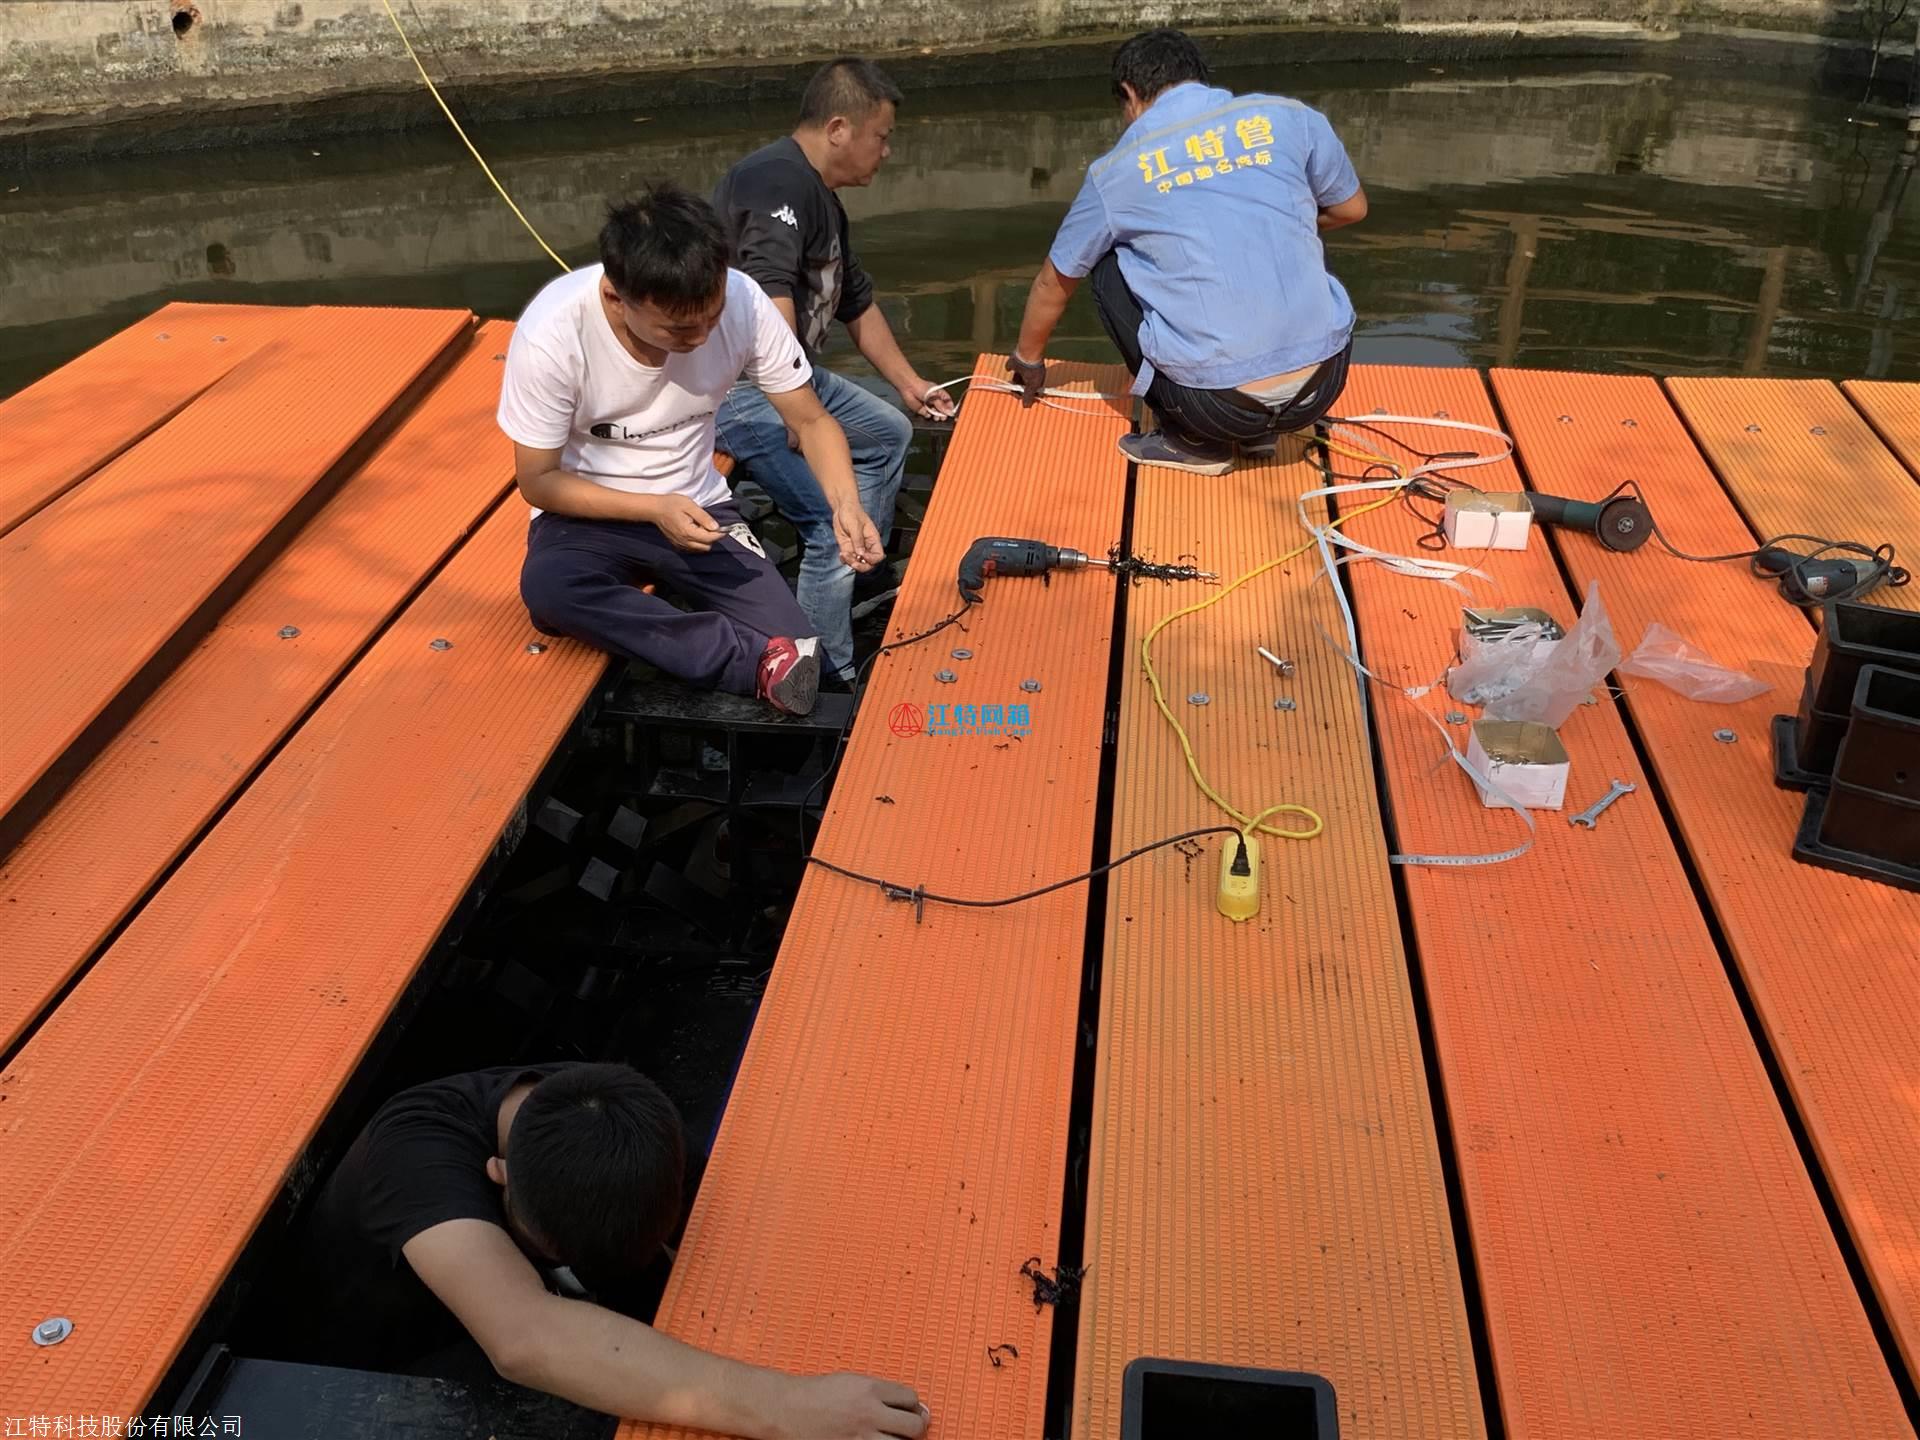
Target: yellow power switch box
1239,897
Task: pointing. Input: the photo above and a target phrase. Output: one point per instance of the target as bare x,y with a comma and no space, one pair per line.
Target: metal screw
1455,717
1725,737
1753,429
1199,697
1818,430
52,1331
963,654
1032,687
536,648
287,632
440,644
1283,704
945,677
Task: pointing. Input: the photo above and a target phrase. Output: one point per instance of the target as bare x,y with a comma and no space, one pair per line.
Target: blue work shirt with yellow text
1212,202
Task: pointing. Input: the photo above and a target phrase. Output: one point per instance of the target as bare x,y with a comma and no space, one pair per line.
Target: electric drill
992,555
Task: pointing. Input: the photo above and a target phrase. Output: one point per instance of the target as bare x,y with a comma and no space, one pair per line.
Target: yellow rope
434,90
1249,824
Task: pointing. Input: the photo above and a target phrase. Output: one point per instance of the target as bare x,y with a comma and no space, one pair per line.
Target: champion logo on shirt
785,212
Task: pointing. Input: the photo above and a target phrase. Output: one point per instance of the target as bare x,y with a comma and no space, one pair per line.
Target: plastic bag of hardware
1664,656
1493,666
1526,675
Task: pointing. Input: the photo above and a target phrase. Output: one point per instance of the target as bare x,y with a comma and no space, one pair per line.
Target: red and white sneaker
789,677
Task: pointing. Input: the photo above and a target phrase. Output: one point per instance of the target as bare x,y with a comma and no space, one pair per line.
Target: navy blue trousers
582,579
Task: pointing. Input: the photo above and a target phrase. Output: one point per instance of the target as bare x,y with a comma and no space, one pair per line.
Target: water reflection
1664,220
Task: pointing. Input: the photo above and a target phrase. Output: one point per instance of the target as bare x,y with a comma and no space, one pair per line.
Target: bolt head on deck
536,648
1283,704
1032,687
1199,697
1725,737
289,632
963,654
440,644
52,1331
945,677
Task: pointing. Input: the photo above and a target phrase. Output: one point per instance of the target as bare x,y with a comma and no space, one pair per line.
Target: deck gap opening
1063,1371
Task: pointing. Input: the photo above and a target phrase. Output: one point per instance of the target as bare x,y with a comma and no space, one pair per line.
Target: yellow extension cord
434,91
1248,824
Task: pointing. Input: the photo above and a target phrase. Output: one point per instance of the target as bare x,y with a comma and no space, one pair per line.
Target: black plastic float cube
1868,822
1182,1399
1852,637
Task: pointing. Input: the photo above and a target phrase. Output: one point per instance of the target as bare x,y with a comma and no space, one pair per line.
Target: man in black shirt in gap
502,1202
789,233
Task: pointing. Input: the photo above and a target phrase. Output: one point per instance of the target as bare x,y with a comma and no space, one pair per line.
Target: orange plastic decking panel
203,732
1822,955
895,1145
1892,407
105,576
1798,458
62,428
156,1114
1647,1239
1265,1186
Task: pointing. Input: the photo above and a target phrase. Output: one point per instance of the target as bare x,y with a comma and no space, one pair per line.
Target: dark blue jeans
878,433
582,577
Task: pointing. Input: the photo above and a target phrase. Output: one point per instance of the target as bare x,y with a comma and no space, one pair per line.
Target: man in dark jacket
789,233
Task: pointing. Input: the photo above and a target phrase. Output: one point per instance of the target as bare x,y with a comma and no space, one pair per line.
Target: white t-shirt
571,385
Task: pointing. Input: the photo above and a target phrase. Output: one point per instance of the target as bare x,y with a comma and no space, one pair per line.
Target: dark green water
1717,220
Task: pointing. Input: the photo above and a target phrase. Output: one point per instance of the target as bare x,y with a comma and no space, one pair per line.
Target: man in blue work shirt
1201,230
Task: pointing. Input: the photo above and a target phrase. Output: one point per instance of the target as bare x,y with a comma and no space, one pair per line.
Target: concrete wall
165,73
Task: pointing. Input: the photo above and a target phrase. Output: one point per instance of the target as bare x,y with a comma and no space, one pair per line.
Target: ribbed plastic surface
195,741
181,510
1828,959
895,1145
1892,407
1265,1186
1647,1239
58,430
160,1108
1798,458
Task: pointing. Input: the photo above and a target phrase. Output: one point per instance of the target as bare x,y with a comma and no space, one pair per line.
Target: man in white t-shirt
612,383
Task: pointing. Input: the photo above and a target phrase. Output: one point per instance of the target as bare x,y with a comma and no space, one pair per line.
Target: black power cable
920,895
1879,559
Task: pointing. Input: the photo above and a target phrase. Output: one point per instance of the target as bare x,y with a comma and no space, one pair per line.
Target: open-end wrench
1592,813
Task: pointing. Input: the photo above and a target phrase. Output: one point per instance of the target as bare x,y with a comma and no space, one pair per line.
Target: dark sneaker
789,676
1160,448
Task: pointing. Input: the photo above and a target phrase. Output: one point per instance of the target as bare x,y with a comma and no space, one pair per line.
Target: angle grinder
1620,521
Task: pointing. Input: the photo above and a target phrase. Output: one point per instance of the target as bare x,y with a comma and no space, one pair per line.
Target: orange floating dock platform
1617,1137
